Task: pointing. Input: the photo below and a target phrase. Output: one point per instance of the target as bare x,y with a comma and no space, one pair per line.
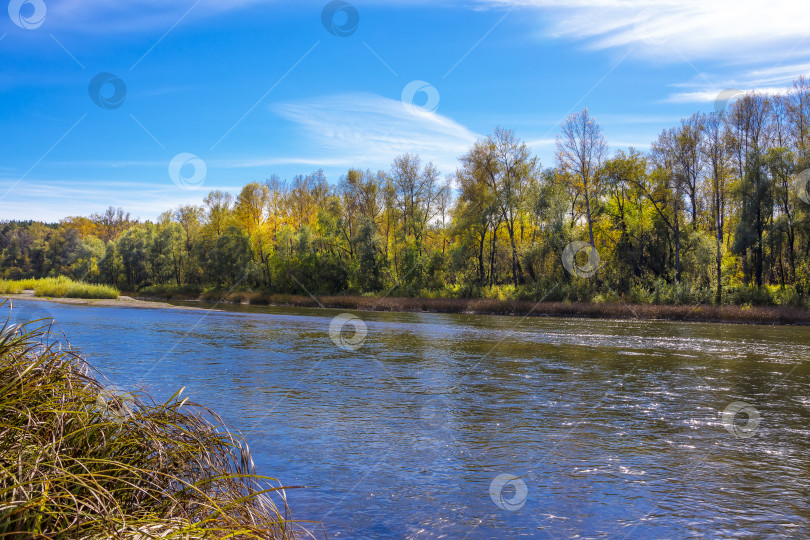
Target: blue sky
243,89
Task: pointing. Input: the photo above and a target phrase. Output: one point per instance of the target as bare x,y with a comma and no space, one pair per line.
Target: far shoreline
121,301
758,315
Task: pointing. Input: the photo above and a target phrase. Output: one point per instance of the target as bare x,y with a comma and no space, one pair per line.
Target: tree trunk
758,252
517,271
677,243
590,220
481,269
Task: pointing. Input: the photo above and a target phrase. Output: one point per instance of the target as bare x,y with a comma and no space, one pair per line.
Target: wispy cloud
56,200
711,95
536,143
729,30
367,130
765,80
779,74
264,162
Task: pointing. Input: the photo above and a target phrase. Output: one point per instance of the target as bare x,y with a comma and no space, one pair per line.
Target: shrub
750,295
171,291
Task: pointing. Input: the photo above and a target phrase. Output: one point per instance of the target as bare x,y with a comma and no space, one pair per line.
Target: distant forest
716,212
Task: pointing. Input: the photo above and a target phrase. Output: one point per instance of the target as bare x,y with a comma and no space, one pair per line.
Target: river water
463,426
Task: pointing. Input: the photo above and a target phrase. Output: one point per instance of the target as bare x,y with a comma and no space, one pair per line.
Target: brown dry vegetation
707,313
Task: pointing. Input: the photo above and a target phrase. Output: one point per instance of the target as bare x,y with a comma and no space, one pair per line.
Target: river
467,426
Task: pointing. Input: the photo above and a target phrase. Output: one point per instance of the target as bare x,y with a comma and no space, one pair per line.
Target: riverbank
697,313
768,315
121,301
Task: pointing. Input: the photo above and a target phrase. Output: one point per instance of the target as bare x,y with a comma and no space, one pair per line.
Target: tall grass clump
62,287
59,287
79,461
10,287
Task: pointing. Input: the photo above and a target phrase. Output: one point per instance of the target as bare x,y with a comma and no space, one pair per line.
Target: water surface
612,428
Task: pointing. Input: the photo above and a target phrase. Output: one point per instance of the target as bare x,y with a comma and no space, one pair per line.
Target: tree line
715,212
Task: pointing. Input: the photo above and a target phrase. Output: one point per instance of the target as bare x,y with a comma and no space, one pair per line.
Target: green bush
789,296
750,295
767,295
171,291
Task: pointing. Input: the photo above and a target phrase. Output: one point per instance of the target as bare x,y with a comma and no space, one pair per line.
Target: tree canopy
716,211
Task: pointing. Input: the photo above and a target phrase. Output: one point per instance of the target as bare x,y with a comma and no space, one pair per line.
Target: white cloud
768,80
53,201
534,143
730,30
714,94
262,162
778,74
367,130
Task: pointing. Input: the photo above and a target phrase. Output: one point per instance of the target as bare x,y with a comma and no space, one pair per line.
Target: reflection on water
473,426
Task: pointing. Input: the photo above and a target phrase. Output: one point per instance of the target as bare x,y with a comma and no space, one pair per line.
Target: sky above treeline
150,104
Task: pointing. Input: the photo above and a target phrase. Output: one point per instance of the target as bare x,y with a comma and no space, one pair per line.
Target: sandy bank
122,301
